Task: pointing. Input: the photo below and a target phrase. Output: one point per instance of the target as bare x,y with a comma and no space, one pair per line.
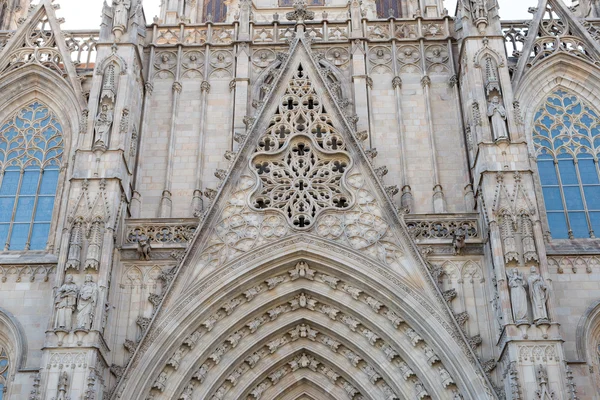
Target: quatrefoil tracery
301,159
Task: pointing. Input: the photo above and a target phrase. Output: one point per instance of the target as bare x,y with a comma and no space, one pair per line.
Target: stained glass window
566,136
215,11
3,372
388,8
31,149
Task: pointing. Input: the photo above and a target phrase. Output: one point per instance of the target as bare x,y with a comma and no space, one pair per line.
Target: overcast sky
78,16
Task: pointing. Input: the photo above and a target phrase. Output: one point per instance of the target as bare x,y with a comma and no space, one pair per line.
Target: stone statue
121,14
86,303
65,301
74,256
497,114
538,293
63,382
518,296
95,244
478,9
143,248
103,124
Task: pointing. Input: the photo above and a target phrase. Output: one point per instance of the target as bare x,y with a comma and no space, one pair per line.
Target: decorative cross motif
300,159
300,13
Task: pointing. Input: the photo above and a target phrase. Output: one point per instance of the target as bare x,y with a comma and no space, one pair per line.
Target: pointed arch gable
559,71
34,83
194,305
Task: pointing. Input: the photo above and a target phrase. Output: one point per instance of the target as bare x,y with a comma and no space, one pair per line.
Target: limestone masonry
300,200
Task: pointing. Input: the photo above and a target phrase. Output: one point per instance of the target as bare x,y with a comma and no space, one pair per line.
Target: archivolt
362,327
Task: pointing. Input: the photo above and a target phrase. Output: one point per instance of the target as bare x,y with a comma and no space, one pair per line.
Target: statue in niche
86,302
95,244
74,255
65,301
121,15
478,9
518,296
103,124
538,293
497,114
63,382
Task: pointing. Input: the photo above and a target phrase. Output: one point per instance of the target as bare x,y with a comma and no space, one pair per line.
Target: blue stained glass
573,198
10,183
566,168
1,391
552,198
595,219
24,208
30,182
547,172
6,208
39,236
579,224
592,197
49,181
44,207
18,238
30,142
574,128
3,234
558,225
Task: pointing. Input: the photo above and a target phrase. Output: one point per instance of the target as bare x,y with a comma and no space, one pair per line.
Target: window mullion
585,207
562,198
14,211
35,202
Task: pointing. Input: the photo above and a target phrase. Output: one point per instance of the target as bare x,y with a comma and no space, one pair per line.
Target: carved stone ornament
300,13
64,303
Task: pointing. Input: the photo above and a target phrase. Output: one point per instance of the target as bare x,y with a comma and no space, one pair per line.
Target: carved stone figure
65,301
143,248
538,293
161,381
187,392
121,14
63,382
103,123
478,9
86,303
497,114
518,296
95,244
174,361
201,373
74,256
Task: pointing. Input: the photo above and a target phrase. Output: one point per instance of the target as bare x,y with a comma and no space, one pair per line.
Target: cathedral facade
300,200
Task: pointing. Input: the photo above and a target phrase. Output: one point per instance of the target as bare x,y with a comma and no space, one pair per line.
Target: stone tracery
304,175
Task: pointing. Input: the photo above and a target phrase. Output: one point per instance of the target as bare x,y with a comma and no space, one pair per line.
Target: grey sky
78,16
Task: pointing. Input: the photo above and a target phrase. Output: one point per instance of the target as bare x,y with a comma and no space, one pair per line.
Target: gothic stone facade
300,200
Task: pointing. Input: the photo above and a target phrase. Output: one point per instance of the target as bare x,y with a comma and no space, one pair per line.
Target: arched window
215,11
388,8
4,364
566,136
31,149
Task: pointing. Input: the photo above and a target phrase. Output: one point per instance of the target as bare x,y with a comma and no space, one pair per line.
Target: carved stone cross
300,13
